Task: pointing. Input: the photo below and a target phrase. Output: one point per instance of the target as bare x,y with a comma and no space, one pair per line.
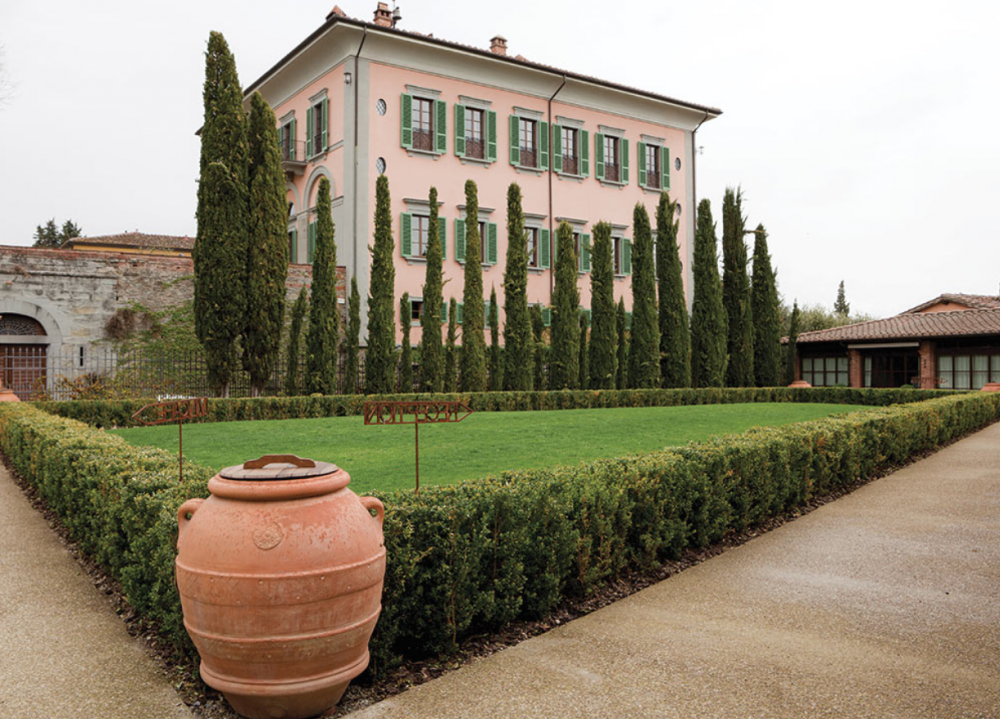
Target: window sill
620,276
529,170
653,190
568,177
609,183
536,270
475,161
317,157
413,152
415,260
484,265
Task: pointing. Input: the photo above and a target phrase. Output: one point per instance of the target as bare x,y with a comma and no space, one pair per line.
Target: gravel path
63,651
885,603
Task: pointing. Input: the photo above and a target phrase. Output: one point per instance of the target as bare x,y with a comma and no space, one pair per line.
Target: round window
380,106
677,163
380,165
679,208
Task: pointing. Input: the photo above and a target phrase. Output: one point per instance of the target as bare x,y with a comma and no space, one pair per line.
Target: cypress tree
842,307
294,348
267,257
220,252
564,355
352,339
405,356
736,292
517,351
603,343
583,359
380,358
496,367
675,338
621,376
708,316
644,352
431,349
538,331
766,317
472,362
324,316
791,349
450,383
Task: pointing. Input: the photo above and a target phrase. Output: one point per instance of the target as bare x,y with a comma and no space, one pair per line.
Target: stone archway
28,333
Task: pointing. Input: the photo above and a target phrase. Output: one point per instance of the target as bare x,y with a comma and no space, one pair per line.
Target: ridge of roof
334,19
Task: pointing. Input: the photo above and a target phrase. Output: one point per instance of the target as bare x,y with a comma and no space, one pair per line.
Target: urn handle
267,459
189,507
370,503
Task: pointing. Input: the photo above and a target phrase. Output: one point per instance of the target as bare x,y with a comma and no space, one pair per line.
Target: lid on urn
277,467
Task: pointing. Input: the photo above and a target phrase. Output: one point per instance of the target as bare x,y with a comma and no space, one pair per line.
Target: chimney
383,16
336,12
498,45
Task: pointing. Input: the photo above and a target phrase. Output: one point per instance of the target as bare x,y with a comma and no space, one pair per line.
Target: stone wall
73,294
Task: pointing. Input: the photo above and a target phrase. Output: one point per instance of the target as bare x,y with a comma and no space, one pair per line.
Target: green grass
485,443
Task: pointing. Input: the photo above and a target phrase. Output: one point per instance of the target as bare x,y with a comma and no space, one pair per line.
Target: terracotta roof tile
136,239
914,325
976,302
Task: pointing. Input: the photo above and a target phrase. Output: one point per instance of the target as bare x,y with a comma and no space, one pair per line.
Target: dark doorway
893,369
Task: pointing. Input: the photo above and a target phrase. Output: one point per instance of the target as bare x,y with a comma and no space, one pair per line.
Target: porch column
928,365
855,371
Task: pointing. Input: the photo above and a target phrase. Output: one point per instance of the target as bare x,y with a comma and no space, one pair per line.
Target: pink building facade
356,100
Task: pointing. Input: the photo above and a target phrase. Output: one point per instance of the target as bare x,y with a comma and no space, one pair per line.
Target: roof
138,240
975,302
334,19
913,326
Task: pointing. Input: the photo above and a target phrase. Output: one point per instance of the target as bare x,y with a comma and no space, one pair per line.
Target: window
484,233
611,158
414,234
421,224
532,236
825,371
652,166
416,308
475,146
293,246
581,241
423,124
570,157
617,254
528,142
286,140
967,371
319,127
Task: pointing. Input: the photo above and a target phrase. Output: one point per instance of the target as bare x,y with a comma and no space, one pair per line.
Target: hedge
118,413
469,558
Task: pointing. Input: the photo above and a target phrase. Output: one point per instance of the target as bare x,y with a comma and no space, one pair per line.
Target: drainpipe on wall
354,204
552,233
694,173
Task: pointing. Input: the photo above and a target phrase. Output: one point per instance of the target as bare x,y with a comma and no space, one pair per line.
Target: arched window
22,325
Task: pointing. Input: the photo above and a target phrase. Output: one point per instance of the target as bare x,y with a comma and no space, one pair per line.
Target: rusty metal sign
415,413
175,410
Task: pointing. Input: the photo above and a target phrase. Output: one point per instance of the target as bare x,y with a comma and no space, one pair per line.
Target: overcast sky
865,135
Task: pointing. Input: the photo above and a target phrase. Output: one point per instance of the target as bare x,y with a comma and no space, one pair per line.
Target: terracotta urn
799,384
280,575
988,387
7,395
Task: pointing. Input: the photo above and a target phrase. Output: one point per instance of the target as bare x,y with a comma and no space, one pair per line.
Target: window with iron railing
527,131
570,156
475,146
611,158
652,166
531,233
423,124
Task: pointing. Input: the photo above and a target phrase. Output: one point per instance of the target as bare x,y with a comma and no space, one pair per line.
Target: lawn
485,443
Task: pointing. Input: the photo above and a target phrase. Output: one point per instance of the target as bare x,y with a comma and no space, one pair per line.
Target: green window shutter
406,234
665,168
557,148
406,120
311,249
443,237
543,249
628,320
460,130
325,124
599,154
491,136
441,126
515,142
444,312
491,244
547,316
584,163
486,314
587,315
585,254
459,239
641,156
543,146
459,313
309,132
291,139
293,254
624,153
626,256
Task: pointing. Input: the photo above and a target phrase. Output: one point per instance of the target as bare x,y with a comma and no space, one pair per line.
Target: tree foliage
496,367
736,292
450,359
50,236
708,315
405,355
380,357
603,342
766,315
564,355
220,252
324,316
267,256
472,362
842,307
675,335
352,339
791,349
431,348
584,359
644,348
518,349
538,332
293,349
621,323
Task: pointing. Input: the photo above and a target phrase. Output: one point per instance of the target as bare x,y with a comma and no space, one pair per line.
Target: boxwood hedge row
118,413
468,558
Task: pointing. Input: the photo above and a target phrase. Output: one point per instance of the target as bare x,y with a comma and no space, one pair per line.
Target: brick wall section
928,365
82,290
855,368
